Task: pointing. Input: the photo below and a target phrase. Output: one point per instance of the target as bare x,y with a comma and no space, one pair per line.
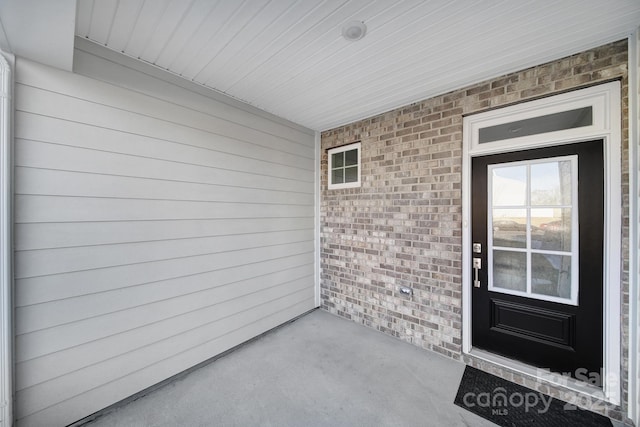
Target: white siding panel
54,364
203,328
36,290
56,261
215,104
107,101
50,129
55,313
95,399
77,209
155,228
61,235
61,157
79,184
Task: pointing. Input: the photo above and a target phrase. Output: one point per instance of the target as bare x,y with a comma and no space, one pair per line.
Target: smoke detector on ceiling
354,30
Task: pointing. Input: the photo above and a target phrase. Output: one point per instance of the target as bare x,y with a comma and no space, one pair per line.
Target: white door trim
633,408
605,101
6,270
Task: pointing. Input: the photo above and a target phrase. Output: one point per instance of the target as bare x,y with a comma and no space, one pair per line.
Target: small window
344,166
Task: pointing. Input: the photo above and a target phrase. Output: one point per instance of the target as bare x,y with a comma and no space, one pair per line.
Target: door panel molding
605,102
513,318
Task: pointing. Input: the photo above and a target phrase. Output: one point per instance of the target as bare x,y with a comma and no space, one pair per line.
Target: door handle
477,265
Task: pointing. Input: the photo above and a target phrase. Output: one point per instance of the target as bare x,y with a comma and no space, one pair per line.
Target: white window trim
573,300
341,149
605,100
6,275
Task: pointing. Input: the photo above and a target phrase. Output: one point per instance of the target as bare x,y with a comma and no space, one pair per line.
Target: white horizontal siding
201,327
92,161
61,235
252,325
155,228
35,290
76,184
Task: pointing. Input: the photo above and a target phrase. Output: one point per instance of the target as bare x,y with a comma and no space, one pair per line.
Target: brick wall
403,227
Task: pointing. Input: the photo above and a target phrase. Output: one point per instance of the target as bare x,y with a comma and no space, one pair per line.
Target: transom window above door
533,229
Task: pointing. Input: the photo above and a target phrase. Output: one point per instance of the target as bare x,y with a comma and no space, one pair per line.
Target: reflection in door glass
532,228
551,229
510,270
551,183
509,186
510,228
551,275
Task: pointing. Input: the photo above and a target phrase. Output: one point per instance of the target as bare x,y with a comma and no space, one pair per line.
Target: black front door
537,229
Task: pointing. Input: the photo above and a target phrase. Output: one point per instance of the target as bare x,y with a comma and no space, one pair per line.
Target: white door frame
633,411
605,101
6,255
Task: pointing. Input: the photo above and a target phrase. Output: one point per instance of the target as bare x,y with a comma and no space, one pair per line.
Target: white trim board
317,231
605,100
6,252
633,408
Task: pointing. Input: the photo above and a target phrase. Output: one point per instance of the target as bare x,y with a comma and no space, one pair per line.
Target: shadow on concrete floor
320,370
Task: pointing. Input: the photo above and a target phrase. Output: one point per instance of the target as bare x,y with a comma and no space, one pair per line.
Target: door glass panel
551,275
510,270
551,183
552,229
510,228
532,228
509,186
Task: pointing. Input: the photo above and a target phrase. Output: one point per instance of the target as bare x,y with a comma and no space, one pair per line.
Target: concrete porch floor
320,370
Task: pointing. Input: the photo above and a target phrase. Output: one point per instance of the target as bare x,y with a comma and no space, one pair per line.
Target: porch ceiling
288,56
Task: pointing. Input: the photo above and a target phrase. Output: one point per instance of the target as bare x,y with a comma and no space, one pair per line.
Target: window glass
551,183
351,174
344,167
510,186
338,160
532,224
572,119
510,270
351,157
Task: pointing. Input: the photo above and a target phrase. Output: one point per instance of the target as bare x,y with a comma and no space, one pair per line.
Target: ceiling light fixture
354,30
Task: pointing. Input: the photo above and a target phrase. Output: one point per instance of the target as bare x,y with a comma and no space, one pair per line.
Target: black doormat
512,405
